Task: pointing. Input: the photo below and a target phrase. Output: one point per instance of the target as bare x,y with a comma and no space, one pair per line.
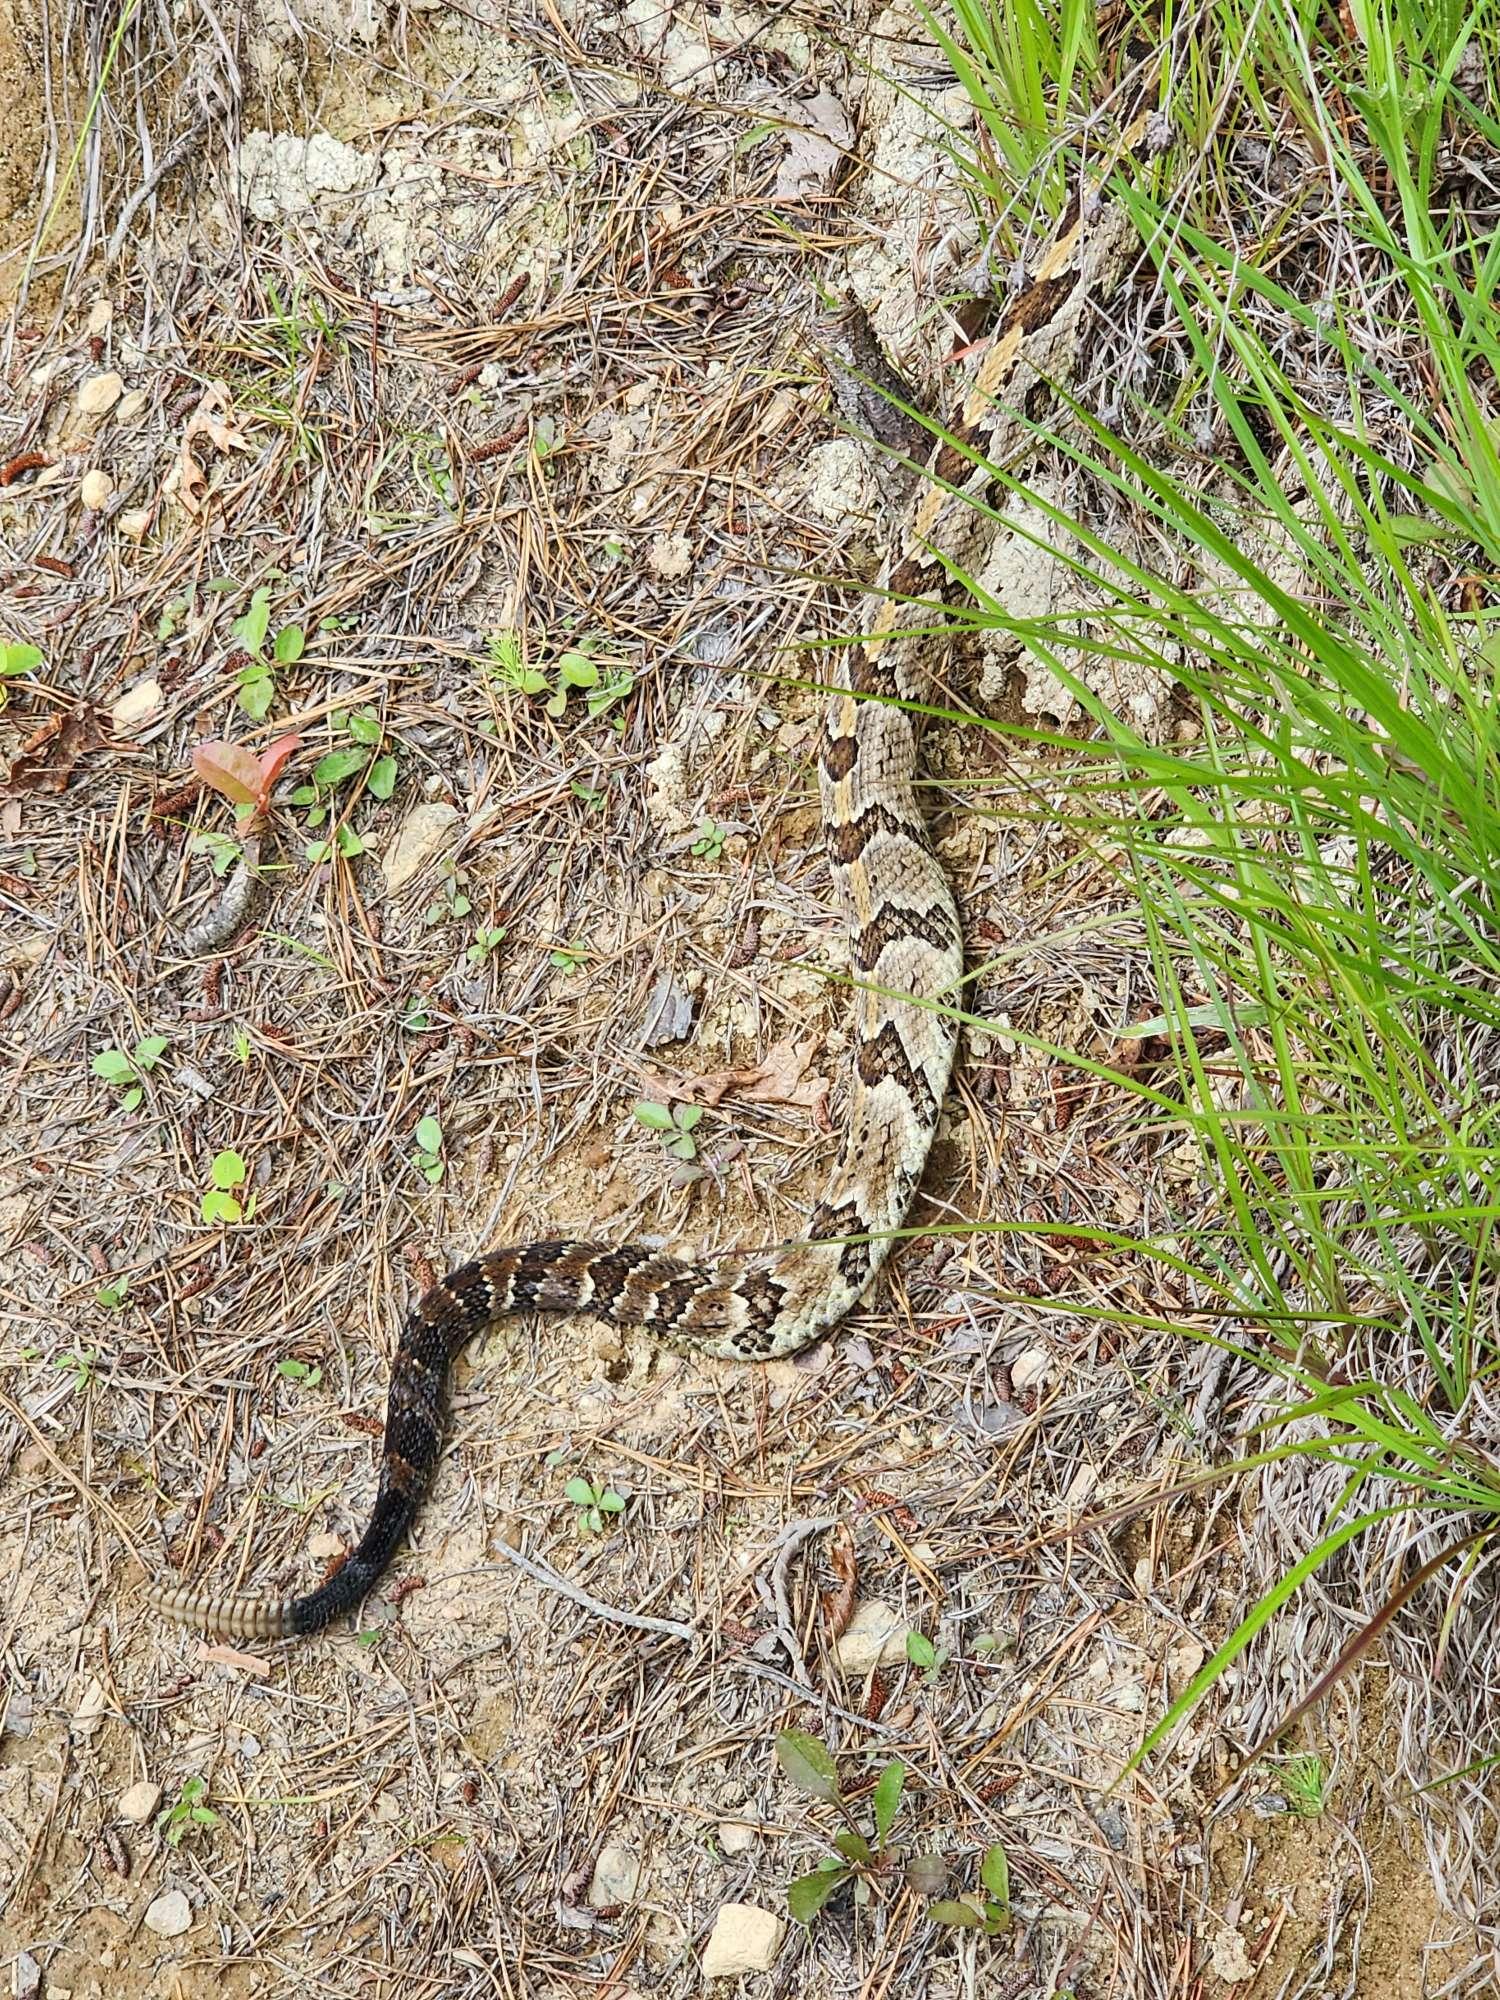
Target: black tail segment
352,1583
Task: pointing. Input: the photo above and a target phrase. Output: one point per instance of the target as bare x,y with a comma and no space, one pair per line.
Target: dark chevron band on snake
905,942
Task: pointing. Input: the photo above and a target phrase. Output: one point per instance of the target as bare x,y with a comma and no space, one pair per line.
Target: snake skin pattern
906,952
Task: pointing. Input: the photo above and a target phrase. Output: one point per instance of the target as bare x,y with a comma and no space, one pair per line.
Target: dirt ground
509,316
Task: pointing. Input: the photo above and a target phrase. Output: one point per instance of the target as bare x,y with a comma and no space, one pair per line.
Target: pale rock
737,1836
136,704
325,1546
617,1876
101,317
670,556
1231,1961
98,396
96,489
745,1938
1183,1662
423,835
92,1710
874,1637
131,405
1031,1369
138,1802
134,523
282,174
25,1977
170,1915
1081,1486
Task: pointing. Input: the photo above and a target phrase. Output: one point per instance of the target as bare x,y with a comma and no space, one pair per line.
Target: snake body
906,953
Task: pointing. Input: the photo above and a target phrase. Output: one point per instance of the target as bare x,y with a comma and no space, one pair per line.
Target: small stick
548,1577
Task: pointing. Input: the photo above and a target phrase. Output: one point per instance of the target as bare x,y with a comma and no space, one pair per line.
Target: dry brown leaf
838,1603
44,762
781,1079
228,1656
213,419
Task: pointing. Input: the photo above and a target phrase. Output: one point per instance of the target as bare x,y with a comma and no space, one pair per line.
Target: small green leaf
994,1873
853,1846
429,1135
433,1170
18,657
577,670
365,727
252,625
305,795
962,1916
380,779
656,1116
290,642
337,766
113,1065
255,697
888,1799
150,1050
133,1097
217,1206
688,1116
807,1895
920,1650
579,1491
227,1171
292,1371
807,1763
611,1502
349,843
557,707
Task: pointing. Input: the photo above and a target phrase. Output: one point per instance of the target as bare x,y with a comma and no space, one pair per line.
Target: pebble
101,316
323,1547
25,1977
1231,1961
745,1938
1031,1369
131,405
135,523
136,704
617,1876
95,489
423,834
98,396
874,1637
170,1915
139,1802
736,1836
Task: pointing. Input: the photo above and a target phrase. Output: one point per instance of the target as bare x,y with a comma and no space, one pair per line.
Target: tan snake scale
906,952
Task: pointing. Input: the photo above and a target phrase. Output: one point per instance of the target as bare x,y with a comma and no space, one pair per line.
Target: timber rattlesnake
906,949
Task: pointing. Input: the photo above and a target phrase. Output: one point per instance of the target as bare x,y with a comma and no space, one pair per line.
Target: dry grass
433,452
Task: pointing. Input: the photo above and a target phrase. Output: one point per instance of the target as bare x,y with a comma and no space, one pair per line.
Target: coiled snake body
906,952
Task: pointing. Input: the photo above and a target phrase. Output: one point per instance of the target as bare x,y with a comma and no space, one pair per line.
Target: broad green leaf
252,625
807,1763
657,1116
113,1065
920,1650
337,766
689,1115
994,1873
365,727
150,1050
888,1799
962,1916
611,1502
807,1895
18,657
577,670
228,1170
853,1846
429,1135
380,780
579,1491
290,641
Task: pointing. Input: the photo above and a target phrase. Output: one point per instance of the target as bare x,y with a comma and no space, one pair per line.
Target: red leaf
230,770
272,761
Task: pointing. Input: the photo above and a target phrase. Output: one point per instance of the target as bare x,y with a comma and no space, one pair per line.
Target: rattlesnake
906,951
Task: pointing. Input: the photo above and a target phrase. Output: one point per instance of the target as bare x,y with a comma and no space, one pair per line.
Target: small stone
135,523
101,315
745,1938
91,1711
95,489
1231,1961
131,405
323,1547
737,1836
25,1977
1031,1369
136,704
139,1802
170,1915
617,1876
874,1637
98,396
423,834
